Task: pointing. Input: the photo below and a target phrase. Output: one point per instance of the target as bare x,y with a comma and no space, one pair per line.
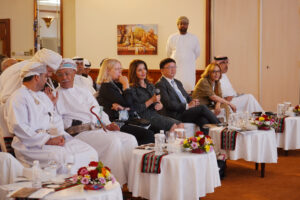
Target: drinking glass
280,110
69,162
180,133
170,137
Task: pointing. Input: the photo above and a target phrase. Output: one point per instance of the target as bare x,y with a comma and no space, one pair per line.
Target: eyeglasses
170,67
216,71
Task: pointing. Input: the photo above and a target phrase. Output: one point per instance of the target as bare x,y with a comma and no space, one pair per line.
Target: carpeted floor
242,182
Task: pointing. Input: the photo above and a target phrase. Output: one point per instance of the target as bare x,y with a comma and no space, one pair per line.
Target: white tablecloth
183,176
10,168
290,138
257,146
73,193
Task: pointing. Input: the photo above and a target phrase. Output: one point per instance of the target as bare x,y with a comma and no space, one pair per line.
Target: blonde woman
208,89
115,95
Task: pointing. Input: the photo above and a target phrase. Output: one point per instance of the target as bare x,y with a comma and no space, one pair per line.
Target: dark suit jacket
169,98
110,93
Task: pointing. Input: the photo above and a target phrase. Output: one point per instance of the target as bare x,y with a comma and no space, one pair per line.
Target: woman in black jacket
146,101
115,96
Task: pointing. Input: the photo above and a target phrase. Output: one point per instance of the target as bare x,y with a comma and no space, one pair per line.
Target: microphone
157,91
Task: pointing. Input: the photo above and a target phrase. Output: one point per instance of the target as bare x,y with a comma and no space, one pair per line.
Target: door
280,52
235,34
5,37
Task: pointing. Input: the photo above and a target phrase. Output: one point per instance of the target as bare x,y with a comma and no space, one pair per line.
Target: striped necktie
178,92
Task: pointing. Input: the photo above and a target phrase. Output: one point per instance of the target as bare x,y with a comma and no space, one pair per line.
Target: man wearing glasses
177,103
243,102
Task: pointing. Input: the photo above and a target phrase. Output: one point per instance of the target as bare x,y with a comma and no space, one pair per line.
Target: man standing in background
184,48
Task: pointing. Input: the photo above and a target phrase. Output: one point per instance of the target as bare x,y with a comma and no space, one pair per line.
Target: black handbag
136,120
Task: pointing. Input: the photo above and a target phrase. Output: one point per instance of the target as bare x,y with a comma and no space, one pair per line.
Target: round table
72,193
258,146
290,138
183,176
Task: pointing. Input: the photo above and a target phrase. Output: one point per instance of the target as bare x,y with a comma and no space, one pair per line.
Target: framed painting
137,39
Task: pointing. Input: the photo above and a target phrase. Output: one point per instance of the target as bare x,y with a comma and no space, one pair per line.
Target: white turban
48,57
86,63
33,68
68,63
182,19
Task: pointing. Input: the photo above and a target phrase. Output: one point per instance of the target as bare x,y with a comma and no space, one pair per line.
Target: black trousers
143,136
199,115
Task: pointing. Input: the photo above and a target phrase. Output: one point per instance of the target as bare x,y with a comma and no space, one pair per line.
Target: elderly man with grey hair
184,48
38,128
75,105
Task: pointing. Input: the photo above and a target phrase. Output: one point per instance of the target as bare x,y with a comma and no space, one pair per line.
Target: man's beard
183,30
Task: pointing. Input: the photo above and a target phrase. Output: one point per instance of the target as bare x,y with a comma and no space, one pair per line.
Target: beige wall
261,38
69,41
20,13
96,26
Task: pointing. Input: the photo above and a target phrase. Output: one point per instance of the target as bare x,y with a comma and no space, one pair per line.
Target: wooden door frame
7,35
207,32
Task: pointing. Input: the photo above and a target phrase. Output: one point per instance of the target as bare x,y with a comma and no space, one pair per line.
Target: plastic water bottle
36,175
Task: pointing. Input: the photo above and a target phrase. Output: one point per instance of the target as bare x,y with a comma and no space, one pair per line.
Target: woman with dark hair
146,101
208,89
116,96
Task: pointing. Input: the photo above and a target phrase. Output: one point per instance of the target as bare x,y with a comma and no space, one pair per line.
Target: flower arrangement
94,177
296,110
265,122
200,143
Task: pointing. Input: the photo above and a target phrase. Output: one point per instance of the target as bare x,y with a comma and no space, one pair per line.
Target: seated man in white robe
38,129
80,80
10,79
243,102
86,71
74,103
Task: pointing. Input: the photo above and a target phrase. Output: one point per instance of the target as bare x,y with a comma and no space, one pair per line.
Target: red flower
93,164
193,139
107,168
207,136
202,140
93,174
82,171
198,133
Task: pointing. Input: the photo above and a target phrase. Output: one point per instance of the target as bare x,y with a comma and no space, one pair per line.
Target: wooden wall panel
153,73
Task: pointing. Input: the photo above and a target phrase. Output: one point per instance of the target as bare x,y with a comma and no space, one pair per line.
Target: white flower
91,168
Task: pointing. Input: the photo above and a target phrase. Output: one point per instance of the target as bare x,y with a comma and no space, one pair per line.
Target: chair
190,129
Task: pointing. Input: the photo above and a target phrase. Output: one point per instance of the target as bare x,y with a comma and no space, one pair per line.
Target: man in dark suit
176,101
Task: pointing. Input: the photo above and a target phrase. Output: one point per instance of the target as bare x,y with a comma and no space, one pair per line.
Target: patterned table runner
280,125
228,139
151,162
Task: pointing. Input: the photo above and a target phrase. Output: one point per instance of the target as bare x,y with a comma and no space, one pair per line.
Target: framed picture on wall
137,39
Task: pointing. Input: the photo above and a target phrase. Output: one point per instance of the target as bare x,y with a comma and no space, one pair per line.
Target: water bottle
159,142
36,175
